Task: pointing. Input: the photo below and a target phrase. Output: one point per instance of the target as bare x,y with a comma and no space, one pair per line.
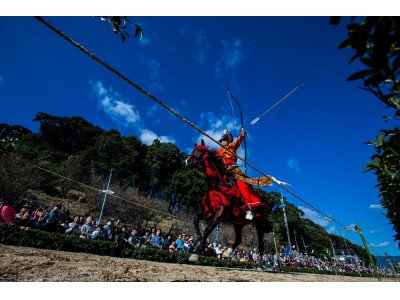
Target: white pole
106,192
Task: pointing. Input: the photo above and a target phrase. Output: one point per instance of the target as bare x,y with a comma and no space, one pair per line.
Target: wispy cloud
115,106
1,79
332,230
375,206
374,231
125,114
147,137
314,216
234,52
294,164
200,57
380,245
144,42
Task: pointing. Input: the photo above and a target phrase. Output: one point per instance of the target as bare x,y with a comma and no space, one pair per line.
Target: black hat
226,137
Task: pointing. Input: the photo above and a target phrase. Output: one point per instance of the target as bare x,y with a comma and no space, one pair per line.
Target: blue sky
314,139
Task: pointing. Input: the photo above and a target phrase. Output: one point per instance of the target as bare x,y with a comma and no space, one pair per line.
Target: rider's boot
249,214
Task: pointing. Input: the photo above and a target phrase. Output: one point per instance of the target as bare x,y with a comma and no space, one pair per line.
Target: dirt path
24,264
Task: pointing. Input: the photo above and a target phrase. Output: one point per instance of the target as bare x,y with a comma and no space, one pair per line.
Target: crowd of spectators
58,219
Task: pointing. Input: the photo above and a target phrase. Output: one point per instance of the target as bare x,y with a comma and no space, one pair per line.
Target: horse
221,201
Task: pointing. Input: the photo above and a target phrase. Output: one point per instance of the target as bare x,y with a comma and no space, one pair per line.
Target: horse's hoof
194,257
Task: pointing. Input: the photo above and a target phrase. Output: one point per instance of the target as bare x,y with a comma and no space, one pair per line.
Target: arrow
258,118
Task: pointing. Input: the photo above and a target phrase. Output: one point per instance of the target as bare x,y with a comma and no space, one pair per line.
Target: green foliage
376,42
61,242
118,25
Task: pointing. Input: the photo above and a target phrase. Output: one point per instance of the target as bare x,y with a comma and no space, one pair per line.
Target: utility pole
106,192
295,240
286,223
216,235
304,245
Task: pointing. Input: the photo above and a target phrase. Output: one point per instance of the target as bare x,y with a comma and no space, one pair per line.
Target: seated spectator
172,247
134,238
145,240
74,227
219,250
22,211
98,233
38,219
157,240
87,228
109,230
7,214
24,222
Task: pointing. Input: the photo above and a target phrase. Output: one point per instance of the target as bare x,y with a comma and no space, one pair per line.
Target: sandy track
23,264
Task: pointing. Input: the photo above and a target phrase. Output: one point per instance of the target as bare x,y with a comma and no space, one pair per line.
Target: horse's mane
217,160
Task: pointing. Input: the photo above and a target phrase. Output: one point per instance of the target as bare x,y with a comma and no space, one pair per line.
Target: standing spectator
87,228
7,214
123,237
109,230
134,238
52,219
74,227
157,240
191,245
145,240
186,245
179,243
167,242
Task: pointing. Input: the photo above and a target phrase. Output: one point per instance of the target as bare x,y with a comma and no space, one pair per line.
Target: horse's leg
238,240
259,223
210,227
197,219
238,235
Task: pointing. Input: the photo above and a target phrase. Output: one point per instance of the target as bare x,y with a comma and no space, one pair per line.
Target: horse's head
197,155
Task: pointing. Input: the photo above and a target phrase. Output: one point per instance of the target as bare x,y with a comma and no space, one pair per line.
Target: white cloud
293,164
314,216
115,106
380,245
332,230
147,137
375,206
374,231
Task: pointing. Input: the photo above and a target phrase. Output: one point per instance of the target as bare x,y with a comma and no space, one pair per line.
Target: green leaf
361,74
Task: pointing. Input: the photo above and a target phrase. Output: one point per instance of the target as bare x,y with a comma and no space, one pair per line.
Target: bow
241,119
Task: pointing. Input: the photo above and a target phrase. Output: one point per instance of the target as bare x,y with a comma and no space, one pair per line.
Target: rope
111,195
136,86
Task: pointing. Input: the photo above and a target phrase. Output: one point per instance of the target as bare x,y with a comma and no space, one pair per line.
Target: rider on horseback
230,160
